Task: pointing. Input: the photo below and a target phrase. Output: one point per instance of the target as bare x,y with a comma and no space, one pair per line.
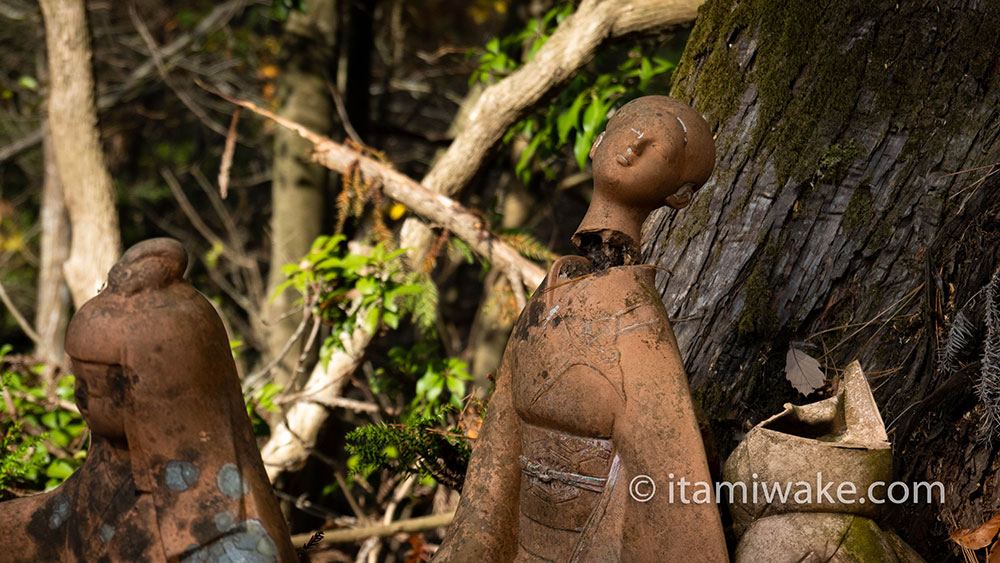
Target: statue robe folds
591,411
173,472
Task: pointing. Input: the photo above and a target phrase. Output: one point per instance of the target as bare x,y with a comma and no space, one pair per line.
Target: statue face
639,158
655,151
101,393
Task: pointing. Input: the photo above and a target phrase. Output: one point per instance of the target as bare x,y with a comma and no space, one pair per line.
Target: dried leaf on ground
803,371
980,537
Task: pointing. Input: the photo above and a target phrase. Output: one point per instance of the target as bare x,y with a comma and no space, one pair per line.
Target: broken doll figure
592,406
840,441
173,471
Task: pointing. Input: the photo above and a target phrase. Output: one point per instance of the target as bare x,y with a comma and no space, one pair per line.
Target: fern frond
432,255
959,340
988,388
344,197
527,245
459,249
423,305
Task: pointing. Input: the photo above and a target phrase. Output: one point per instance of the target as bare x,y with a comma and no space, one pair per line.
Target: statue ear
682,197
597,143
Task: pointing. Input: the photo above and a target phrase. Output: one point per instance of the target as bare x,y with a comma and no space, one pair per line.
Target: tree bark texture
298,186
72,119
848,189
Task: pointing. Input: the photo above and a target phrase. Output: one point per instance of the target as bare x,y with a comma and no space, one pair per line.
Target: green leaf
523,168
570,118
49,420
371,320
427,382
28,83
593,117
59,438
646,72
391,320
59,469
368,286
456,387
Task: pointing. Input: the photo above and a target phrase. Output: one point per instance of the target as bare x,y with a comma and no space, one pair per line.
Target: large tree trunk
850,139
72,120
299,185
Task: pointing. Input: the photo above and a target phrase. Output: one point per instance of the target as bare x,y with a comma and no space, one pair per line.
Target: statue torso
568,389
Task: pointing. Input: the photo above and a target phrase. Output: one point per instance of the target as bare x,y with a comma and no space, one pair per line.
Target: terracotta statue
591,396
173,471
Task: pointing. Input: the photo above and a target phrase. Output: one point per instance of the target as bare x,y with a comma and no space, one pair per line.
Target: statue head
655,151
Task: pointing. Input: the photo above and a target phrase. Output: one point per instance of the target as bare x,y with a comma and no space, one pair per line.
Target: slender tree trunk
72,119
52,311
299,185
848,190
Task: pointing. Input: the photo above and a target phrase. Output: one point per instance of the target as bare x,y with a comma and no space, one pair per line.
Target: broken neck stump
592,407
173,471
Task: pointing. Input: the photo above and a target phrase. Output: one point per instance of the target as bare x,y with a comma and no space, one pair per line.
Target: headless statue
173,472
591,395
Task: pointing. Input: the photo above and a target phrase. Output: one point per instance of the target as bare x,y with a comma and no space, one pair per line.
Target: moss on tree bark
850,139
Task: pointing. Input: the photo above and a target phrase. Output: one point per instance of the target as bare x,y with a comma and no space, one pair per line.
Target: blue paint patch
230,482
181,475
224,520
107,532
246,542
60,510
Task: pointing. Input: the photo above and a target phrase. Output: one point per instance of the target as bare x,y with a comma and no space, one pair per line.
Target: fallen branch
570,47
436,208
351,535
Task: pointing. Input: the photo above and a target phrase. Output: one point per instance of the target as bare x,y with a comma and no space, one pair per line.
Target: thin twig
21,321
218,17
227,155
338,102
252,379
161,67
175,188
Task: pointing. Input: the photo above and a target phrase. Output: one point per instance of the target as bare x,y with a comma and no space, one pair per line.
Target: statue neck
609,233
